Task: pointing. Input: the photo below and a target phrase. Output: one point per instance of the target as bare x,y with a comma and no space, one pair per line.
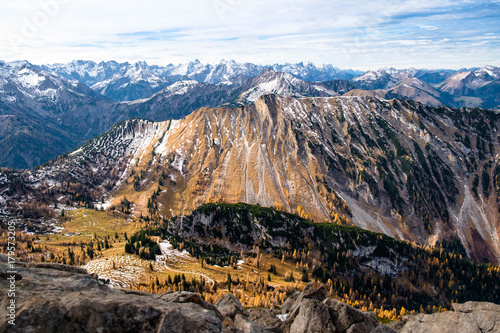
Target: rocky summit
59,298
409,171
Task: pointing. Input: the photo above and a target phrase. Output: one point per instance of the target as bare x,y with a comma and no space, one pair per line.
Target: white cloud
358,34
428,27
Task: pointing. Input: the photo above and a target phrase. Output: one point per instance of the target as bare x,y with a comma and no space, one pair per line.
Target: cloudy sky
348,34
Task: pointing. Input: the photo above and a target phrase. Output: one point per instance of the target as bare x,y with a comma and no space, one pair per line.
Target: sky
355,34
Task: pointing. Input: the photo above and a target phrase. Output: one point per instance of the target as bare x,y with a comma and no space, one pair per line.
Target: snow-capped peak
280,83
390,70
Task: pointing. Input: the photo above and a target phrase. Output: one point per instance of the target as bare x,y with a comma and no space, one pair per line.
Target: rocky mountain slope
279,83
464,88
475,87
61,114
396,167
404,86
223,233
464,83
54,297
42,114
174,102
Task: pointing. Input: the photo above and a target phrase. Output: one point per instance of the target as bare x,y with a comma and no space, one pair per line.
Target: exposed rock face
314,312
184,297
287,305
267,318
314,291
230,306
349,319
237,318
397,167
64,300
471,317
309,316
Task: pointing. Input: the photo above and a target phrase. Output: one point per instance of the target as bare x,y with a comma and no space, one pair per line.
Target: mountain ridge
396,167
62,122
107,77
234,74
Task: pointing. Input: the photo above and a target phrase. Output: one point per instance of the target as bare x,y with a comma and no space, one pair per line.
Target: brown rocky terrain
58,298
412,172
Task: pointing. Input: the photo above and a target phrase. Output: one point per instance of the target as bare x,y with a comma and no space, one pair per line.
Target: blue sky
354,34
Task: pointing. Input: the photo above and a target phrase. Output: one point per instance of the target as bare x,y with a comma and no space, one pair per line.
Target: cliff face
397,167
58,298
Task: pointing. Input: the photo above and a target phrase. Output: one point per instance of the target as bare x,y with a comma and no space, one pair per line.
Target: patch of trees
142,244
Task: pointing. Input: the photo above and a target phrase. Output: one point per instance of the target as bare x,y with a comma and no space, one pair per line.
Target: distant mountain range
477,87
469,88
49,110
128,82
43,115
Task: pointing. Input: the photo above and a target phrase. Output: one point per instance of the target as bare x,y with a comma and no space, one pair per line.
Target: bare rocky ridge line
397,167
50,110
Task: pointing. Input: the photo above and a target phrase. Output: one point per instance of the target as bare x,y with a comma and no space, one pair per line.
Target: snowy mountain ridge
61,111
109,78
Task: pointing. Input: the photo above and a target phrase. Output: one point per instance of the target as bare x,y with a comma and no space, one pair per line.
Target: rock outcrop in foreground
58,298
473,317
